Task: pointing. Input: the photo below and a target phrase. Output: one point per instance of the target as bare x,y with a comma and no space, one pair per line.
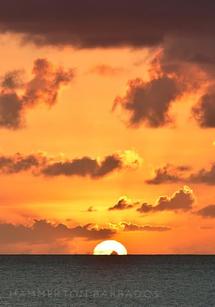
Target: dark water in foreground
107,281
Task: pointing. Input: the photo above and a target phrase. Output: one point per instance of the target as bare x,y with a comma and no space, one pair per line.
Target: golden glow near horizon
109,247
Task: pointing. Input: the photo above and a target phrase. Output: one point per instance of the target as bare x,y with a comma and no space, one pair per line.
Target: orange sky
81,124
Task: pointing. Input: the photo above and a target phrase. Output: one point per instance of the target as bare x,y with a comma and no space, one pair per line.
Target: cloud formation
172,174
19,163
41,164
42,88
192,60
208,212
87,24
206,176
204,111
47,237
85,167
123,204
135,227
149,102
187,43
169,174
43,231
12,80
181,200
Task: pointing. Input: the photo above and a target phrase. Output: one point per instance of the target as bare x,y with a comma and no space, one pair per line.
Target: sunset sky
107,118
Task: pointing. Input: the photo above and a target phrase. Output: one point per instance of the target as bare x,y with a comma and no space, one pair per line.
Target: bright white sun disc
110,247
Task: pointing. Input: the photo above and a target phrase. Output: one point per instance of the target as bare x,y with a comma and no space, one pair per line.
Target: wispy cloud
135,227
169,174
107,70
42,164
42,88
123,203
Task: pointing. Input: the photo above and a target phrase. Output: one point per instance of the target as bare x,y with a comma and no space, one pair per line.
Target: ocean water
107,281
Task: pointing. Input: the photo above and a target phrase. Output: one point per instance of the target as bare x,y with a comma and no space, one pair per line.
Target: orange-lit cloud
204,111
123,204
149,102
206,176
169,174
90,167
136,227
86,166
181,200
173,174
19,163
207,212
42,88
43,231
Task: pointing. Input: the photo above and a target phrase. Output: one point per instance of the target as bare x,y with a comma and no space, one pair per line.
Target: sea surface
161,281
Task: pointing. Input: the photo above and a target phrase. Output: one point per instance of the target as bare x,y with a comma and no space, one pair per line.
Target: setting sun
110,247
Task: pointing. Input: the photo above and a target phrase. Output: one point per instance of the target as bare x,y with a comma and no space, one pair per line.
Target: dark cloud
169,174
135,227
204,111
46,83
186,40
42,88
19,163
179,52
204,176
181,200
184,65
149,102
87,23
173,174
192,58
84,167
122,204
40,164
208,211
11,111
44,232
12,80
90,232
